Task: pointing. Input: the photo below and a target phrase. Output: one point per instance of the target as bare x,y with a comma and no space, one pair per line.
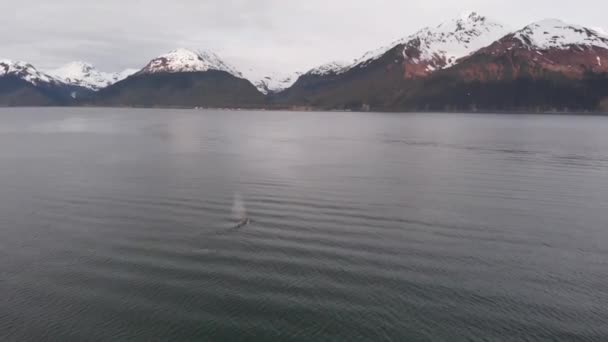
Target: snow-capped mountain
377,73
546,46
27,72
184,60
24,85
440,47
183,78
556,34
86,75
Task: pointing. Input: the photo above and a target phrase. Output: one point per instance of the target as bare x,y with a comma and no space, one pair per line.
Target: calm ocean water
116,224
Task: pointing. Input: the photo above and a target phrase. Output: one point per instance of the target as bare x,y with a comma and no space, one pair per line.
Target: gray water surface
115,225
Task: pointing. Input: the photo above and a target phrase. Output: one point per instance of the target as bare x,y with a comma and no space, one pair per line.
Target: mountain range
470,63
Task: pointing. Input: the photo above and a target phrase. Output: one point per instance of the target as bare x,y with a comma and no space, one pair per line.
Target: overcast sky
282,35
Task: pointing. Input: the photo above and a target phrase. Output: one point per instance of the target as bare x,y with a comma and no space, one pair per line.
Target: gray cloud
271,34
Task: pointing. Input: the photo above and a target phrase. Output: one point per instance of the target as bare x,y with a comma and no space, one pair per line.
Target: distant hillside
184,89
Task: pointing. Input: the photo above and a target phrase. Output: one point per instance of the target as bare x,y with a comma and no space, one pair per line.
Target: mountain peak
185,60
471,16
84,74
556,34
73,69
468,22
79,65
25,71
442,46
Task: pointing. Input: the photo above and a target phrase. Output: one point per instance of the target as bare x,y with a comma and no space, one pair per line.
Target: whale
244,222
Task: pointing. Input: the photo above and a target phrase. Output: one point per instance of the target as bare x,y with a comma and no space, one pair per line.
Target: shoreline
321,110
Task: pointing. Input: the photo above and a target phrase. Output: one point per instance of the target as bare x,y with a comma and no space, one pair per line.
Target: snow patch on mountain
268,81
86,75
331,68
448,41
275,82
27,72
556,34
121,75
184,60
601,31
